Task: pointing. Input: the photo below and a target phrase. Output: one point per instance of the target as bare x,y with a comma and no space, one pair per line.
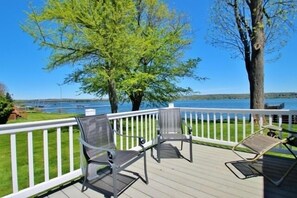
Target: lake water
104,107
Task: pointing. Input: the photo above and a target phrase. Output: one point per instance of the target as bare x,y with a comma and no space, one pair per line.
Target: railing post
90,112
171,105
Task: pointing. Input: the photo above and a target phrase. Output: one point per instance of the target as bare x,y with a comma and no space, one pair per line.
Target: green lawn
22,152
39,116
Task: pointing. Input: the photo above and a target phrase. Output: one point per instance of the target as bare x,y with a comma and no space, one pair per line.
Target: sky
22,61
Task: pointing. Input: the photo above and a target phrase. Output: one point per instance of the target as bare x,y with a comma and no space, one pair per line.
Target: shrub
6,107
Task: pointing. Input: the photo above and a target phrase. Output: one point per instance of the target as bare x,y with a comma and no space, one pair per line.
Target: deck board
207,176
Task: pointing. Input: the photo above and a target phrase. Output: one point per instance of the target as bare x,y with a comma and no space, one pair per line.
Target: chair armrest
94,147
290,131
129,136
189,129
110,152
272,130
141,140
292,138
272,127
158,129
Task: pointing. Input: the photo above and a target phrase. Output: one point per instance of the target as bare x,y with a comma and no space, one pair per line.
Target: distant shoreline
239,96
190,97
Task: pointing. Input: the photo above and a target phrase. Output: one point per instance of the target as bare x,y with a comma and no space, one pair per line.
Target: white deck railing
56,141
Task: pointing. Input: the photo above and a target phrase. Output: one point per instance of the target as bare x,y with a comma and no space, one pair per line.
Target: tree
126,49
248,28
6,104
96,36
165,36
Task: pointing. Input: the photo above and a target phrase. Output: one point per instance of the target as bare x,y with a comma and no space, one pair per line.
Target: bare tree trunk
253,42
256,73
136,100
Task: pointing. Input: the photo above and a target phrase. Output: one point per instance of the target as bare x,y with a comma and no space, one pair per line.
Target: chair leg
158,150
114,178
158,153
145,169
182,144
84,187
191,150
152,155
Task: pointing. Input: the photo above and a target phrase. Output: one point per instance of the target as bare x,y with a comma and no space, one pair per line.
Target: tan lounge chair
260,143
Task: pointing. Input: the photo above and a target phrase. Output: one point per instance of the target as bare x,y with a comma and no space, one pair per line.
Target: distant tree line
238,96
189,97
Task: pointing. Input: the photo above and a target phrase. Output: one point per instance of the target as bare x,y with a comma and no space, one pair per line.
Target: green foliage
165,36
121,49
97,36
6,107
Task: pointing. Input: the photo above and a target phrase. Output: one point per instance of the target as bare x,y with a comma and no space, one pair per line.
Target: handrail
36,125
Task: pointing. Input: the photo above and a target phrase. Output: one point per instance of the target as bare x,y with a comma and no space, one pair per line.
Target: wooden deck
207,176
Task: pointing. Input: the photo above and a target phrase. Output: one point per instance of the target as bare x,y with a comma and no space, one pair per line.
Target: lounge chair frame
260,143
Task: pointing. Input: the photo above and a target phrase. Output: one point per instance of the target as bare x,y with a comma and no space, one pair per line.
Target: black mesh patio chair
99,149
170,128
260,142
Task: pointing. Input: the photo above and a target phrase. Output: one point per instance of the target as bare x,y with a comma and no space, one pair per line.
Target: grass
39,116
22,152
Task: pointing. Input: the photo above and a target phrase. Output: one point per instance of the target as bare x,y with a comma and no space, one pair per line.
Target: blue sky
22,61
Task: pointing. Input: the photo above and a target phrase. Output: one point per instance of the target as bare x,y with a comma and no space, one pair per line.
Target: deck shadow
104,185
167,151
273,167
242,169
